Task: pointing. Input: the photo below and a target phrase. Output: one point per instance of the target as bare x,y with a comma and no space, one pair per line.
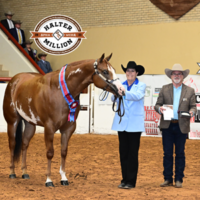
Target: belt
174,121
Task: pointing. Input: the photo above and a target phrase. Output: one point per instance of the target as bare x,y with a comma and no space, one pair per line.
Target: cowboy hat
177,67
9,13
132,65
41,54
28,42
17,22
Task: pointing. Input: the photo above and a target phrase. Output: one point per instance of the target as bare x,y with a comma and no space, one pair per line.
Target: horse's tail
18,142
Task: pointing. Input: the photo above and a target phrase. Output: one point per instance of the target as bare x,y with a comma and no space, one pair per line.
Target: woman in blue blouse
132,124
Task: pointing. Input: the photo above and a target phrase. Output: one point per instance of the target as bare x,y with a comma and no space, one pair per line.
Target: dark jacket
46,67
5,24
34,58
187,103
13,32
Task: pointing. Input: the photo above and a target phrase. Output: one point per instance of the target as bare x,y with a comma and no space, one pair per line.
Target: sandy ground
93,170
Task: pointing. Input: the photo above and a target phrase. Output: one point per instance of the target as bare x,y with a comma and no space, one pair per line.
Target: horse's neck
79,62
79,76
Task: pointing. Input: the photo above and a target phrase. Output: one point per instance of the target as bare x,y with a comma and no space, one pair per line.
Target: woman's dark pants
129,143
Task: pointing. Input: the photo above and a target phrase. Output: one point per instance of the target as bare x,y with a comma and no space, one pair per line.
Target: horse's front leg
28,134
49,135
66,133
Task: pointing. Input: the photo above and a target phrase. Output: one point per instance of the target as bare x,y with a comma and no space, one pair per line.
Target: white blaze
116,82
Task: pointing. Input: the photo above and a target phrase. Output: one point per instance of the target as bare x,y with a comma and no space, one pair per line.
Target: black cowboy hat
41,54
132,65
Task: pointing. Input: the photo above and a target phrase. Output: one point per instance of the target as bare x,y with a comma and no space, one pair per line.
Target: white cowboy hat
177,67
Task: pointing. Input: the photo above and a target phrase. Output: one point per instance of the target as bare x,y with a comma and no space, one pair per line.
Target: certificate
168,113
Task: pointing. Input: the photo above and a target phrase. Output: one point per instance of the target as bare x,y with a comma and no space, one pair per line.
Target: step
4,73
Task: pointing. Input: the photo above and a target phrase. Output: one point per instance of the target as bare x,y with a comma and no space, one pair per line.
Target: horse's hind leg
28,134
66,133
14,127
14,130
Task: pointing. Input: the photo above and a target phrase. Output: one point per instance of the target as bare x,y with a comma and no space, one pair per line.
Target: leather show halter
109,83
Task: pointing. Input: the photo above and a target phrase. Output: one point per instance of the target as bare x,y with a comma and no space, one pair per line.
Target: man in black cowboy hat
18,33
8,23
29,50
43,64
132,124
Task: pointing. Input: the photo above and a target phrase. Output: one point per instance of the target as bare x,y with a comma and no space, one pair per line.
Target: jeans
170,137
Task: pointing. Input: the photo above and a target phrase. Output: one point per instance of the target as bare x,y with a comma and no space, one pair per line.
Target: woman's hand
122,91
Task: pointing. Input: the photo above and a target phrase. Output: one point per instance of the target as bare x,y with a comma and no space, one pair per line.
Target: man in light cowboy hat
29,50
132,124
175,131
18,33
8,23
43,64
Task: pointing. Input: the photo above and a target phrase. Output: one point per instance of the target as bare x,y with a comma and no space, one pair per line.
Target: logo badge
58,34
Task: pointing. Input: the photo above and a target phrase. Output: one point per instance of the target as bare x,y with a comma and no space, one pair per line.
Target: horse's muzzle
115,90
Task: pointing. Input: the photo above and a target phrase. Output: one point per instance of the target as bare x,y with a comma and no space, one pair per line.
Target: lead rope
118,110
105,94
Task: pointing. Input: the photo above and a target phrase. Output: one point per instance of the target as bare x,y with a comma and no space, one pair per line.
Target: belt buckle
174,121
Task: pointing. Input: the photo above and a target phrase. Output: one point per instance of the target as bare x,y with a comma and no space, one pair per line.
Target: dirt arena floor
93,170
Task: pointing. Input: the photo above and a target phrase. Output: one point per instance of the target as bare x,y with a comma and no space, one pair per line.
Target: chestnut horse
39,100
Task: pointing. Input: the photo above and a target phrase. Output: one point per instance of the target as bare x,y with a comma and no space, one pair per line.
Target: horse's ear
109,57
102,57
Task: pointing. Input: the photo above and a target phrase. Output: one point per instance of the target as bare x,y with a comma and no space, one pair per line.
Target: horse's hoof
49,184
64,182
25,176
12,176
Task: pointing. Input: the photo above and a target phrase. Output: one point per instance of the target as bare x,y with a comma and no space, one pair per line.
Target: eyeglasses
179,74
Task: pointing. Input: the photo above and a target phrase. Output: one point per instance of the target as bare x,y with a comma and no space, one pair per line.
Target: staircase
13,60
3,73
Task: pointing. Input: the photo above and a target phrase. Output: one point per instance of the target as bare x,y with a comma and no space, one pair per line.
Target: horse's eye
105,72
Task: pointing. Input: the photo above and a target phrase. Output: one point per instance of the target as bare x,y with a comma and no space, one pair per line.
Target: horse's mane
79,62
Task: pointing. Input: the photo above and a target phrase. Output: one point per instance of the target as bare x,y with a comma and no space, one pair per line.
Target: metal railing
10,37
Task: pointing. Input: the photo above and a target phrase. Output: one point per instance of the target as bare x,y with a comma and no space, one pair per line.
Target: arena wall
131,30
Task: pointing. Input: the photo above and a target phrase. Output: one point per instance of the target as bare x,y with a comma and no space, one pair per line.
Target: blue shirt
129,87
176,99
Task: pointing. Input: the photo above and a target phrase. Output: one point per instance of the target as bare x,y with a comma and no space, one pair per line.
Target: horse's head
105,76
